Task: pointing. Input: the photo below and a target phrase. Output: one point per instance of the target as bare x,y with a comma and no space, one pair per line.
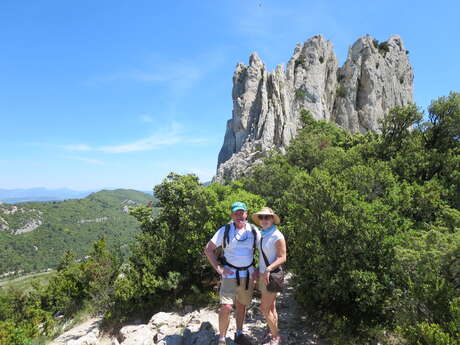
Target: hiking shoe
275,341
242,340
267,339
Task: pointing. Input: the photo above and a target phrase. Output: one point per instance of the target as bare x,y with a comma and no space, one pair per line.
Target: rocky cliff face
266,105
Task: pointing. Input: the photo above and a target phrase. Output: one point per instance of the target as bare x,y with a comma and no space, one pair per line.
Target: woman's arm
280,254
280,259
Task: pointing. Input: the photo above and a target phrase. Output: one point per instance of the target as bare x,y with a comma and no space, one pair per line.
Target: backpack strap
226,239
254,234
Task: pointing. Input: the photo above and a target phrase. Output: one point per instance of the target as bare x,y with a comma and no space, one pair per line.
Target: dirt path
292,327
198,327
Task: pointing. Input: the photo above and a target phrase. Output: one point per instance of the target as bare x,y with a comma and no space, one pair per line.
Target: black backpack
220,253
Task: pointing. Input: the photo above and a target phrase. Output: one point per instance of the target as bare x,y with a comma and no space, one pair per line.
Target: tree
443,132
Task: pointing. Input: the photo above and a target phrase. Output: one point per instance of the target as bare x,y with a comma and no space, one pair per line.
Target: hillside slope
34,235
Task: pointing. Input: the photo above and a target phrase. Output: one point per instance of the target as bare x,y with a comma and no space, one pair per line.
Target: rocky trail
198,327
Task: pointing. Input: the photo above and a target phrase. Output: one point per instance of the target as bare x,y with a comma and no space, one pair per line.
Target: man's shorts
231,292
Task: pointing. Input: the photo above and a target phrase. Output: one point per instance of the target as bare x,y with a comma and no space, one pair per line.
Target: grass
25,282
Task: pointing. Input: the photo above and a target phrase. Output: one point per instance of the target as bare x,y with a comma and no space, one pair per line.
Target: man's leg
227,299
243,299
240,315
224,319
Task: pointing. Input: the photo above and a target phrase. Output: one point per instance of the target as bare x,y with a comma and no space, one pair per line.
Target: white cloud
150,143
176,74
78,147
162,138
205,175
89,160
146,118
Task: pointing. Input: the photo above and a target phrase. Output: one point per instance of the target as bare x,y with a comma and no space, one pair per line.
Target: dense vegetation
372,224
32,316
65,226
168,254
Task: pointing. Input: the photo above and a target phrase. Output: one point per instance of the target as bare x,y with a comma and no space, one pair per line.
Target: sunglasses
265,217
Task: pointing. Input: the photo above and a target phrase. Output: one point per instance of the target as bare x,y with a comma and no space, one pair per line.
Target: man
238,240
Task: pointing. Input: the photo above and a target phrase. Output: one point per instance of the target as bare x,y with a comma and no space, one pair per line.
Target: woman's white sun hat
265,211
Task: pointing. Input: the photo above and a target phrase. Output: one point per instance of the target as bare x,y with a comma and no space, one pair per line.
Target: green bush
189,215
300,94
341,92
373,224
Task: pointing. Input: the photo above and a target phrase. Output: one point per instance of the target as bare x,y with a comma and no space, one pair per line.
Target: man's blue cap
238,206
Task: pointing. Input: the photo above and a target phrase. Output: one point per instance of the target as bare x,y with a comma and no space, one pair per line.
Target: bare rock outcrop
375,78
197,327
17,220
267,105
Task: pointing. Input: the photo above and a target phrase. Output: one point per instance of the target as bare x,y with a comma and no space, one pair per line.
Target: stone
86,333
267,105
136,335
374,79
169,328
164,321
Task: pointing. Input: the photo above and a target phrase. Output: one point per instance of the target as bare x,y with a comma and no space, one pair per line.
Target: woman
273,245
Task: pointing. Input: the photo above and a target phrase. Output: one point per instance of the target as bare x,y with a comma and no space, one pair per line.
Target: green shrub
300,61
189,215
341,92
426,333
384,48
300,94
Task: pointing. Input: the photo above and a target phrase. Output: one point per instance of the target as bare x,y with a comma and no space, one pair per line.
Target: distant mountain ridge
13,196
34,235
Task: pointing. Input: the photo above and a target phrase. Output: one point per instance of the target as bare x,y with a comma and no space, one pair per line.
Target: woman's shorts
263,287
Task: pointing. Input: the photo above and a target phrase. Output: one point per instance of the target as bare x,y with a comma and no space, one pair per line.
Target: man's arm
209,251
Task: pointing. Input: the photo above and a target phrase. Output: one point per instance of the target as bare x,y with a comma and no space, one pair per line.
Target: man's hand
223,271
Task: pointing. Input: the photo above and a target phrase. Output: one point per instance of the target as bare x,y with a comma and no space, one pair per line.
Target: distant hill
34,235
14,196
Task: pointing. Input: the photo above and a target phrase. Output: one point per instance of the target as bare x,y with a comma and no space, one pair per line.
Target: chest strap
238,269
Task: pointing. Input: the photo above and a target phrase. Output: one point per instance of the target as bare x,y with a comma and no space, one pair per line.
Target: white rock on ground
86,333
199,327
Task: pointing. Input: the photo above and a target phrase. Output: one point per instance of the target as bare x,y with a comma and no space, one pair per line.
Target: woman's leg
266,307
274,312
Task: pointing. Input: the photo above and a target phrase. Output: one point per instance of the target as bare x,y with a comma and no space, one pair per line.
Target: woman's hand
266,277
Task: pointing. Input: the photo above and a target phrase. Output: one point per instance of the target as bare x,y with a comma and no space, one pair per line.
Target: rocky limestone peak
375,78
266,105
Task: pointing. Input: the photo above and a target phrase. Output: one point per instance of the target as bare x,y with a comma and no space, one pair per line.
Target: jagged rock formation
267,105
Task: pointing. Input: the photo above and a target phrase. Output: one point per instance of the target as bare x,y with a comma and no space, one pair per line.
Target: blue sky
100,93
